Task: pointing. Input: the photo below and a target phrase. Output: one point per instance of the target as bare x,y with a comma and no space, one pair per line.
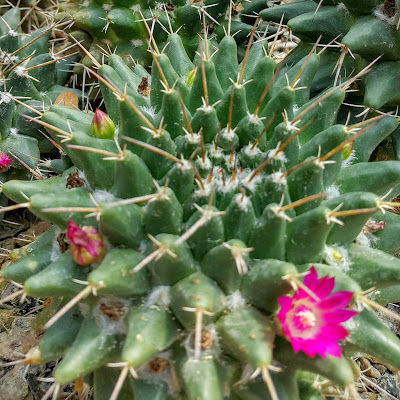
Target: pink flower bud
102,126
4,161
85,244
311,318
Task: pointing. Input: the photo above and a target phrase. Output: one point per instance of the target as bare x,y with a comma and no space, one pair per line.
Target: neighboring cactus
32,78
117,26
366,30
362,31
198,220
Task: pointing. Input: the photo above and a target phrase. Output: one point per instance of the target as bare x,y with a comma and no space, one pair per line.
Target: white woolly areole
363,239
185,166
229,161
149,110
135,8
5,97
254,118
242,201
234,301
338,257
349,160
367,239
278,156
12,33
244,179
332,192
20,70
208,188
227,187
101,196
107,7
205,108
216,153
278,178
204,164
137,42
159,296
194,138
7,58
14,131
228,134
252,151
109,325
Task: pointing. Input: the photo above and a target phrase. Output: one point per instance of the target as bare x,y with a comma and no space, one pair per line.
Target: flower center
306,318
303,320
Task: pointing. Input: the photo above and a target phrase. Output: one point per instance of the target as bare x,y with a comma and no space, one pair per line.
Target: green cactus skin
119,24
367,30
198,246
32,76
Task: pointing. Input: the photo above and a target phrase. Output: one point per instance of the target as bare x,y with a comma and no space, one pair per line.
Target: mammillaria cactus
361,31
117,25
355,32
191,230
32,78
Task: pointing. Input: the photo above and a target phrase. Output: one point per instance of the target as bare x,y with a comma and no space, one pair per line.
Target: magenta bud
85,244
102,126
4,161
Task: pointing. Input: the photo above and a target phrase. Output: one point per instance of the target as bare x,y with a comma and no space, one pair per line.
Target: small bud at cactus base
311,318
346,151
189,78
4,161
102,126
86,243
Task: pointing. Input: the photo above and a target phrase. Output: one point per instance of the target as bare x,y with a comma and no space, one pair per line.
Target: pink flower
86,243
102,126
310,319
4,161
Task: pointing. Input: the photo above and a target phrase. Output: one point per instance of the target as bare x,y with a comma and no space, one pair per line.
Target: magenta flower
85,244
4,161
311,318
102,126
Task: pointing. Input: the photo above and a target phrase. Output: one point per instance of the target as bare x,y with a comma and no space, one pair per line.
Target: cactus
116,26
32,78
363,31
184,230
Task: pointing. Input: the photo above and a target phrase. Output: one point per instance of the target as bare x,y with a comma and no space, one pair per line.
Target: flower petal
325,286
311,279
333,349
337,316
336,300
333,333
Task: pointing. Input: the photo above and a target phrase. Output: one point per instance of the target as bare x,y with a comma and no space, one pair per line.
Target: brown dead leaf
69,99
